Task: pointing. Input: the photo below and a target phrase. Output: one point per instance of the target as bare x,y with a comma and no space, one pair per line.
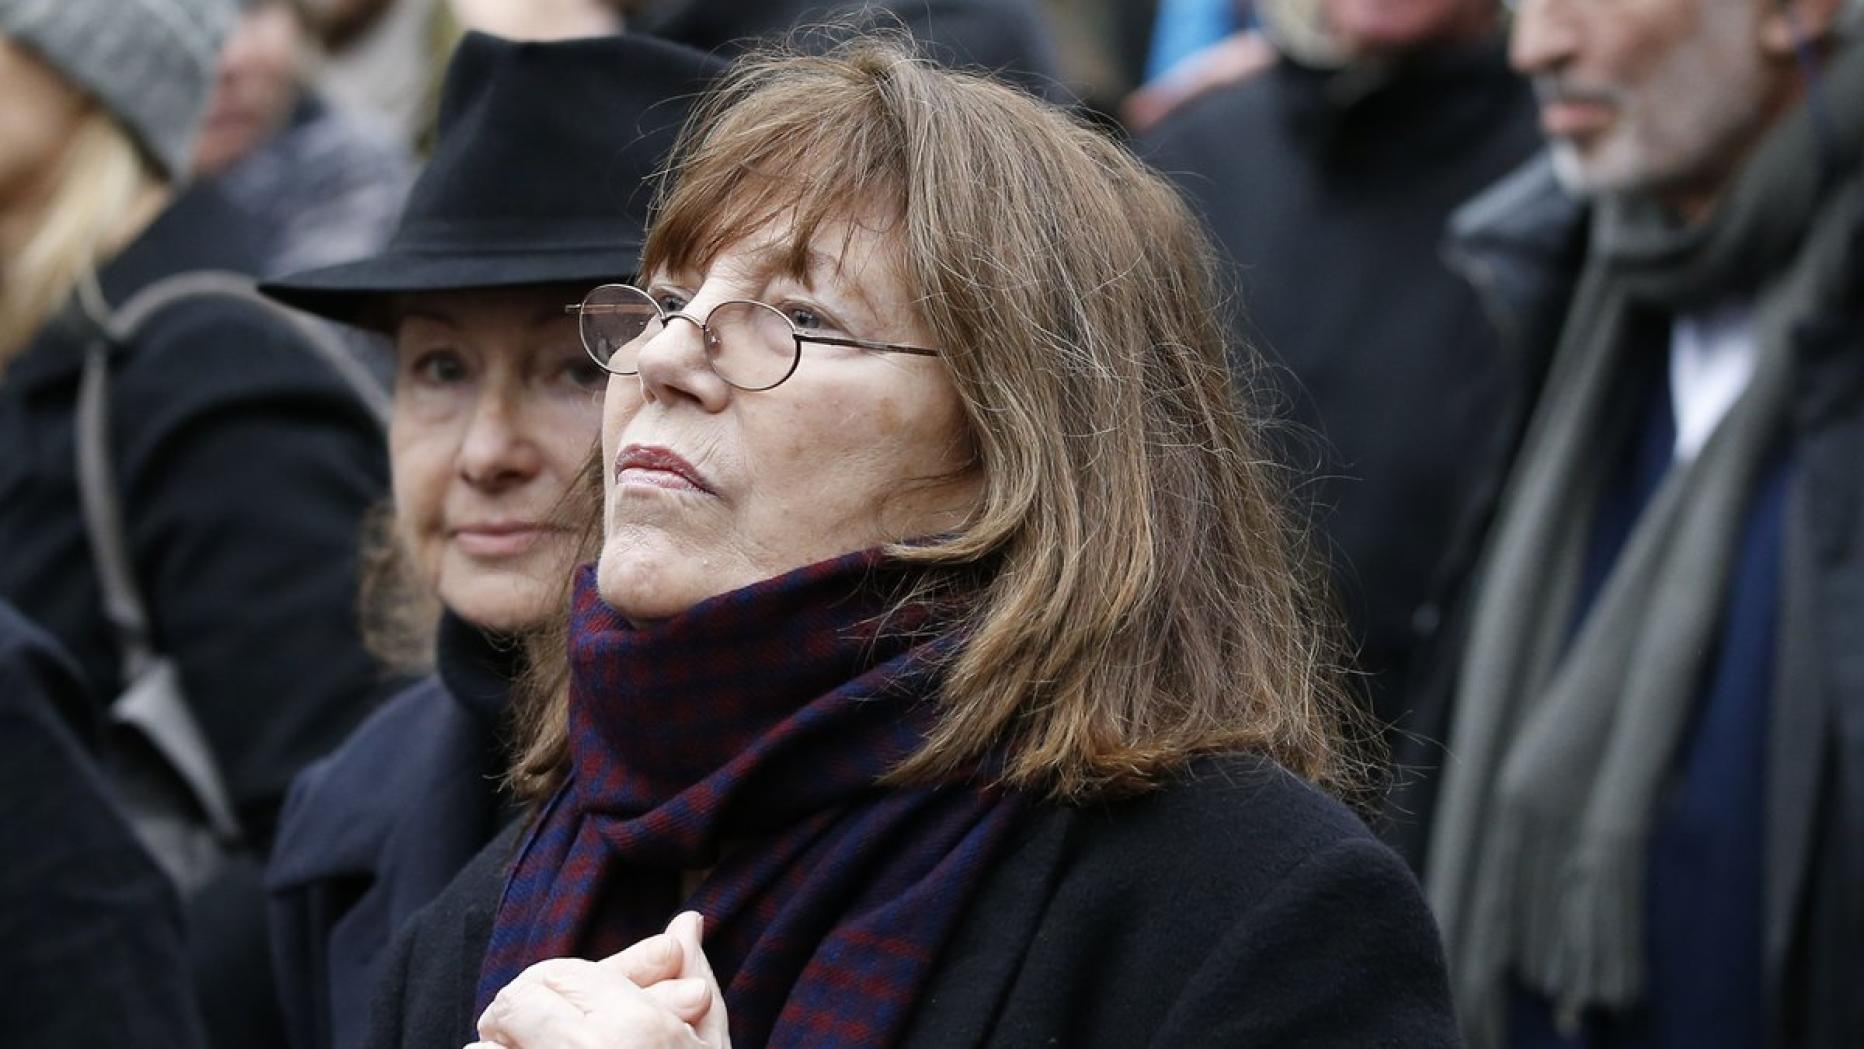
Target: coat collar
477,668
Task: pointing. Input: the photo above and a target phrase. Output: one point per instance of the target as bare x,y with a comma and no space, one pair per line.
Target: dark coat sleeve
246,467
92,937
370,834
425,997
1342,953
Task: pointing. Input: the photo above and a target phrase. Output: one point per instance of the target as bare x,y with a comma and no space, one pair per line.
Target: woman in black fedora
535,193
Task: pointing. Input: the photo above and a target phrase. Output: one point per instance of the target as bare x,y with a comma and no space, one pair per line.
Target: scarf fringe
1572,919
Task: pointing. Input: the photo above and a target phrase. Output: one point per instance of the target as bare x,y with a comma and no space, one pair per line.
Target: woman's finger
567,1003
656,958
713,1027
685,998
530,1014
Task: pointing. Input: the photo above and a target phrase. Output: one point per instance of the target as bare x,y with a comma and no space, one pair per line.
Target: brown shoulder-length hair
1137,599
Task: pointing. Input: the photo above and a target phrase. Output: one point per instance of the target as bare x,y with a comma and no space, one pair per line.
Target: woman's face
256,88
39,112
709,488
496,410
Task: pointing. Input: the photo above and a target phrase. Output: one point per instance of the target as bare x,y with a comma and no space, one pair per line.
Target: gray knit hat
151,63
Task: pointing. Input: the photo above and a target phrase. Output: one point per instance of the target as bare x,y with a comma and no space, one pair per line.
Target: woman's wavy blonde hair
101,181
1136,597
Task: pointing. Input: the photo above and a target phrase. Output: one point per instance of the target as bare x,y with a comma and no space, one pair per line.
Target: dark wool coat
1329,193
373,832
244,466
1236,907
92,937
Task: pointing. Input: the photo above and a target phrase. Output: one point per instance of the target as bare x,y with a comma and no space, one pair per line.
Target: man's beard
1681,123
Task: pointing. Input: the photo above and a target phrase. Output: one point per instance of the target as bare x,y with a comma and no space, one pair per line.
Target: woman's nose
497,450
676,365
1543,37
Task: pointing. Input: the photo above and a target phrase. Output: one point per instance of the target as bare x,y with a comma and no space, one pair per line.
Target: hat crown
550,146
542,173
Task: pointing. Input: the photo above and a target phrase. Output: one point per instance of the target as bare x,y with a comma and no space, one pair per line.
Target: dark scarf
744,737
1537,865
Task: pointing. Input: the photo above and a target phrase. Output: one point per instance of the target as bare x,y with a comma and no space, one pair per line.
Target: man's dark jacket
1521,235
244,467
1329,192
375,831
1236,907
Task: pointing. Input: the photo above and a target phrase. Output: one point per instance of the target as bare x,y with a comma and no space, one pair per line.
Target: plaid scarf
744,737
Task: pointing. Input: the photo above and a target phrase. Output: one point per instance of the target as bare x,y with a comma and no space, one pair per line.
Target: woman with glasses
496,410
946,676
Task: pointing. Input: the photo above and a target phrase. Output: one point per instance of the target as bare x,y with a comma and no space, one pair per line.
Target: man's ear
1789,25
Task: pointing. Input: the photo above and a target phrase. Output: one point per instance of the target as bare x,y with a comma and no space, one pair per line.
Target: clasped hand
658,994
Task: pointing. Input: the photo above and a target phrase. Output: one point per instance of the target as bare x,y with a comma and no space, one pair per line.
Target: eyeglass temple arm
868,344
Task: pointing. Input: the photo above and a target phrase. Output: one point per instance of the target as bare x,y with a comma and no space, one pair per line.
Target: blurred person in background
538,190
94,944
377,60
1009,38
543,20
321,188
1329,177
1651,833
1197,45
242,459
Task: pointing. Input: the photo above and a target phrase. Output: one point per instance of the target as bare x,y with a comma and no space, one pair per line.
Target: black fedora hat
540,173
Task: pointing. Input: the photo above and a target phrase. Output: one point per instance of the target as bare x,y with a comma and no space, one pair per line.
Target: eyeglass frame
705,331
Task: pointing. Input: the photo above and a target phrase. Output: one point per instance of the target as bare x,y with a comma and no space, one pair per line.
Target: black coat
93,942
373,832
1329,192
1237,907
244,466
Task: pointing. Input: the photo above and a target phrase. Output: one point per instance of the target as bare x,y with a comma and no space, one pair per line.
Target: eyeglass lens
752,346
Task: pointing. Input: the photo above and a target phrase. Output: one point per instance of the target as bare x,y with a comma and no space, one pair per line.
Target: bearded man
1650,831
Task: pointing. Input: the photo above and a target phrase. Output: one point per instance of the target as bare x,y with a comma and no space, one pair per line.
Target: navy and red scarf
744,738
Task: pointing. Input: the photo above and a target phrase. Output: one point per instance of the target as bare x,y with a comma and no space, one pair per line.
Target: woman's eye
669,301
585,375
804,318
440,367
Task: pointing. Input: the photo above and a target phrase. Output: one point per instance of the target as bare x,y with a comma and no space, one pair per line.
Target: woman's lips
499,538
651,466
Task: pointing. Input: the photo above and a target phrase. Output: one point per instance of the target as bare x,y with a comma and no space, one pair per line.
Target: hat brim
358,293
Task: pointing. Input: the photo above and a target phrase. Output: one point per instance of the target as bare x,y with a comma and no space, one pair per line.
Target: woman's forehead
842,251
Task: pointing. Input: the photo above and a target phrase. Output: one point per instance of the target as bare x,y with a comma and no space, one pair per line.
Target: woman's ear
1791,25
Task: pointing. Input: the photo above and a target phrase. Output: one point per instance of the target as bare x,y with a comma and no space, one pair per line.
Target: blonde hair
102,179
1133,592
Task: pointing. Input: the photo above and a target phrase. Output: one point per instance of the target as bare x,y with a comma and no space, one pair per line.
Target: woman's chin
644,589
501,609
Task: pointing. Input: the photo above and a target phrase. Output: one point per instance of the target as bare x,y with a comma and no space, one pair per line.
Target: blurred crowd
1557,307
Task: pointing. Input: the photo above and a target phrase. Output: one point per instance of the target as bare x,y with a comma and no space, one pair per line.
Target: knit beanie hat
151,63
